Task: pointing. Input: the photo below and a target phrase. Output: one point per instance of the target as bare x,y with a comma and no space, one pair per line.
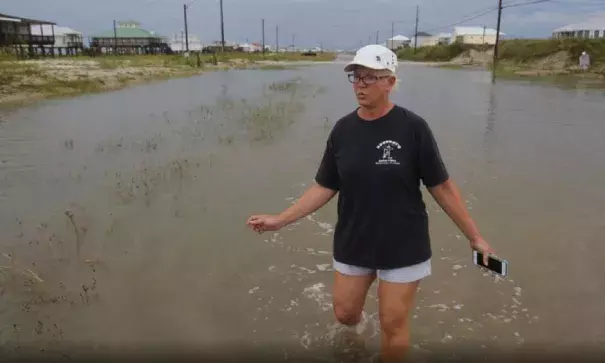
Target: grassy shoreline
23,83
521,59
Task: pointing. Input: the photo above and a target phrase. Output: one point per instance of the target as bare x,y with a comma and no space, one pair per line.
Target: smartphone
495,264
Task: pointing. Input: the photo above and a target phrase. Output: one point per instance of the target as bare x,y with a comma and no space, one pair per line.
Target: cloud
544,17
334,23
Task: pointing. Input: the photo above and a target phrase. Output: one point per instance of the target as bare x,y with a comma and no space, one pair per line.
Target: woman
375,158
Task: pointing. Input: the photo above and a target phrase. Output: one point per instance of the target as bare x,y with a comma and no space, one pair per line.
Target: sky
334,24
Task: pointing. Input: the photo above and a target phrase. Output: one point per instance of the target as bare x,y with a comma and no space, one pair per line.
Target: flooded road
122,215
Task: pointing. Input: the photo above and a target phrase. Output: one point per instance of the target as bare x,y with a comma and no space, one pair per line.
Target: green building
127,37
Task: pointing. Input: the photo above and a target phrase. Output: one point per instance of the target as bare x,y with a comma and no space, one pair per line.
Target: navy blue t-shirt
377,167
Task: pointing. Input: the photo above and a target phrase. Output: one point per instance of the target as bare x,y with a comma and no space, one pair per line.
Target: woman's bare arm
448,197
312,199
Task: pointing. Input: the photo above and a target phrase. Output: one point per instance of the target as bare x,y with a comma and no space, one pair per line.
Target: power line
489,10
496,47
526,3
578,2
464,20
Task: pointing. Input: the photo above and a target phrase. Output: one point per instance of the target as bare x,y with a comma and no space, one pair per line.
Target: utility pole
483,40
263,22
376,36
495,62
115,38
416,31
186,30
277,38
392,35
222,29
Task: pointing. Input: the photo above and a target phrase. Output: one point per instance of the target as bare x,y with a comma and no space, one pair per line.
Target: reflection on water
122,215
490,134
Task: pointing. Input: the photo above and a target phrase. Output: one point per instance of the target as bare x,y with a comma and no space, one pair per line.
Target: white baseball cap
374,56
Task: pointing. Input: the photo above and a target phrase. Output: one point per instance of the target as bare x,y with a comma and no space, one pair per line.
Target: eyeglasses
367,80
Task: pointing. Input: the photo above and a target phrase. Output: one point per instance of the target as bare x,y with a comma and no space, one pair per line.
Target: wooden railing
10,39
126,42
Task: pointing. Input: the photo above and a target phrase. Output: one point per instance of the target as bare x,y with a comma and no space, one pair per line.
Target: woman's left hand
481,245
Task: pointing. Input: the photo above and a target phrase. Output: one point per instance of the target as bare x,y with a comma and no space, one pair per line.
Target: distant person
584,61
376,157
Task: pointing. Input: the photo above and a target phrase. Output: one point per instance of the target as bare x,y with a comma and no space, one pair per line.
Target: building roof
474,30
596,23
127,33
58,30
400,37
423,34
3,18
16,19
129,23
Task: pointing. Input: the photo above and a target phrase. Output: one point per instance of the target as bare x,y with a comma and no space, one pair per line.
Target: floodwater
122,216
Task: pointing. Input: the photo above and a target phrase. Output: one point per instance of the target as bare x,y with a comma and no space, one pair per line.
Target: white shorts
399,275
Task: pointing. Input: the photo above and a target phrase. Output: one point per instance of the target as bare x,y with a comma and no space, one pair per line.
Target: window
596,34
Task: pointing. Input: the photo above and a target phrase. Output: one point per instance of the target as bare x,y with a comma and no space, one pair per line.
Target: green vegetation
172,61
553,60
438,53
27,81
112,62
542,58
516,50
11,72
24,82
6,56
293,57
529,50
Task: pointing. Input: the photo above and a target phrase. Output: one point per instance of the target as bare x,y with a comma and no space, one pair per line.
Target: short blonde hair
386,72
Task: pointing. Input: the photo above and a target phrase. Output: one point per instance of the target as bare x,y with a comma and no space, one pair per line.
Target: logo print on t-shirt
386,157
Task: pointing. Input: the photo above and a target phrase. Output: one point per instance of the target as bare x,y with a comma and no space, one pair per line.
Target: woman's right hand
264,222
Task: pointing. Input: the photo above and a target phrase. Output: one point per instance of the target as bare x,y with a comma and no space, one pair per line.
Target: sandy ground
553,65
32,80
28,81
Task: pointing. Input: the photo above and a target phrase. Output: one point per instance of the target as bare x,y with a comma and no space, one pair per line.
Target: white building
398,41
64,37
593,29
251,47
178,43
423,39
437,39
475,35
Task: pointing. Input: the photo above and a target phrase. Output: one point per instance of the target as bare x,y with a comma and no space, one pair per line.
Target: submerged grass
70,259
231,120
23,82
